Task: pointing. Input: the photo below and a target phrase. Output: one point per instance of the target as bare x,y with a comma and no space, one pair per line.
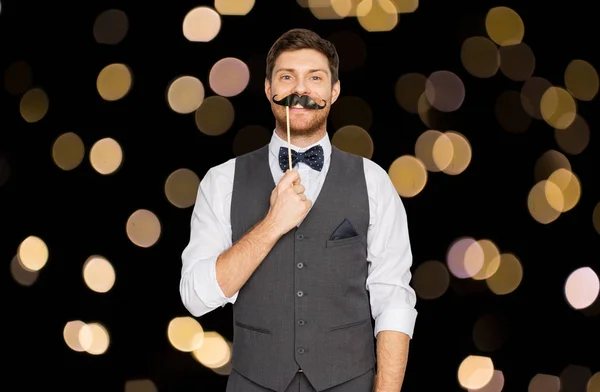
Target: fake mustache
304,100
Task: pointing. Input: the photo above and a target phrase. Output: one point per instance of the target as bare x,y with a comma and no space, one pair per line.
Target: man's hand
289,204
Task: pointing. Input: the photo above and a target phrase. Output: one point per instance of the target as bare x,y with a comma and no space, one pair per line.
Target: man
306,256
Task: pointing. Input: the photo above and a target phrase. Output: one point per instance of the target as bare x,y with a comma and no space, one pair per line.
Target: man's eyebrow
285,70
293,70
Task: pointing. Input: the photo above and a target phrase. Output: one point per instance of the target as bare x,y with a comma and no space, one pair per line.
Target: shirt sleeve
210,235
389,255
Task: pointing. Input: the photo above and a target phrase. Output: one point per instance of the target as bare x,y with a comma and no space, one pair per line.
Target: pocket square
344,230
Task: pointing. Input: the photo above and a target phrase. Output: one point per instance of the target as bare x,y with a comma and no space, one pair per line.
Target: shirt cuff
401,320
208,288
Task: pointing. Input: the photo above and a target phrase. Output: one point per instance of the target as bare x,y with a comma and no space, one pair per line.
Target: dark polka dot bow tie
313,157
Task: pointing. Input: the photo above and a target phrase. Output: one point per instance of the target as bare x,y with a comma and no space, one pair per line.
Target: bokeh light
143,228
21,274
544,383
409,175
582,288
575,138
181,188
229,77
435,150
496,384
458,263
185,94
185,334
33,253
531,95
234,7
431,280
214,352
377,15
106,156
461,153
353,139
444,91
111,27
558,107
350,110
114,82
409,88
504,26
142,385
94,338
581,80
34,105
99,274
201,24
68,151
214,116
480,57
517,62
475,372
593,384
508,275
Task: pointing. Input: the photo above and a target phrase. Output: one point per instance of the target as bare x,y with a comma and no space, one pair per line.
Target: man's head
301,62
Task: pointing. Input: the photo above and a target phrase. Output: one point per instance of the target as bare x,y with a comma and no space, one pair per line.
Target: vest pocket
343,241
252,328
349,325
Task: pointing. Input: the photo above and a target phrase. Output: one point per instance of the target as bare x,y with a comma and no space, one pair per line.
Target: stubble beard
308,129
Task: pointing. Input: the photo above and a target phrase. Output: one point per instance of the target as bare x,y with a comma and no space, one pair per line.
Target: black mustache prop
304,100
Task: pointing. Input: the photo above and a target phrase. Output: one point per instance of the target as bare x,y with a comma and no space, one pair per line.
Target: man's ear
335,91
268,89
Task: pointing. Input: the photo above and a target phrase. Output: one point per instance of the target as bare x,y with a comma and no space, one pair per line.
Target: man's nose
301,88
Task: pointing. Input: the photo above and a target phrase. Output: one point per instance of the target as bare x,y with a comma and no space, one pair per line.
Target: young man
306,256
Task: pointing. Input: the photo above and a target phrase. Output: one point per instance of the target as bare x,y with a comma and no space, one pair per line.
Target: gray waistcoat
306,306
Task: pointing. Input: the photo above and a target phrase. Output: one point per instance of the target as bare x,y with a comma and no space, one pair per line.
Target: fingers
289,178
298,188
302,197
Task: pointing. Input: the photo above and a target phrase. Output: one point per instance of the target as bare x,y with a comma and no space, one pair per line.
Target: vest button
301,322
300,351
300,265
300,293
300,237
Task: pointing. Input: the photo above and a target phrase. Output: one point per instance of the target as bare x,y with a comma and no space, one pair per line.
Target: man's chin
307,129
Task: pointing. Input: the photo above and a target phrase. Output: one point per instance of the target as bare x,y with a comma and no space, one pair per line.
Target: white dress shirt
388,247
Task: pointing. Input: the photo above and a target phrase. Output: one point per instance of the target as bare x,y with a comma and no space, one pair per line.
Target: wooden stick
287,115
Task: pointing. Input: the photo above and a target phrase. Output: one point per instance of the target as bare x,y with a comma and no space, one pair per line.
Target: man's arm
392,356
238,263
214,269
392,298
210,235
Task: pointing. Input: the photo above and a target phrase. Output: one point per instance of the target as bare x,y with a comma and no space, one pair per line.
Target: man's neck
302,141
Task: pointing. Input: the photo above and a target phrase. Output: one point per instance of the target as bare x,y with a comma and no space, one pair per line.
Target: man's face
302,72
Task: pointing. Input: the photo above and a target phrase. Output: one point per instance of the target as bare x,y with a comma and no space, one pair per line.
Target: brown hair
297,39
